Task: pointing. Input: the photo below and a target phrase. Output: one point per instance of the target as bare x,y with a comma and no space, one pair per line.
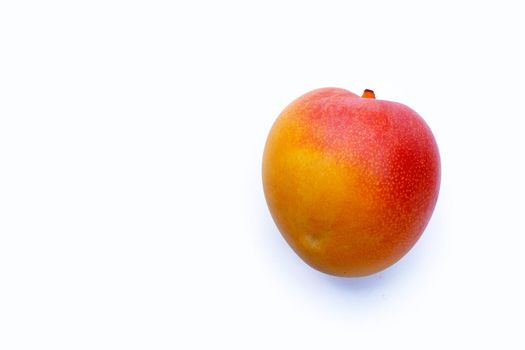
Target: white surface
131,209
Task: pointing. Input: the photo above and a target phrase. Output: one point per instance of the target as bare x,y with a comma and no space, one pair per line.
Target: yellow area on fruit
321,191
317,199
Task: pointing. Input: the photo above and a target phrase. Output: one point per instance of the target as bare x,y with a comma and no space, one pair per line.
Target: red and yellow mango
350,181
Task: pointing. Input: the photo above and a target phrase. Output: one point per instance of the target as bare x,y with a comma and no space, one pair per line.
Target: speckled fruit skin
351,182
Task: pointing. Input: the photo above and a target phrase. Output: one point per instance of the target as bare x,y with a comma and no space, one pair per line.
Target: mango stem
368,94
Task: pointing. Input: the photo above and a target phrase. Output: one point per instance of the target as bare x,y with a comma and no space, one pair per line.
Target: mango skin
350,182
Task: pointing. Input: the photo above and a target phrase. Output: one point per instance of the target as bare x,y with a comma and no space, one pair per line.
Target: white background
131,208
